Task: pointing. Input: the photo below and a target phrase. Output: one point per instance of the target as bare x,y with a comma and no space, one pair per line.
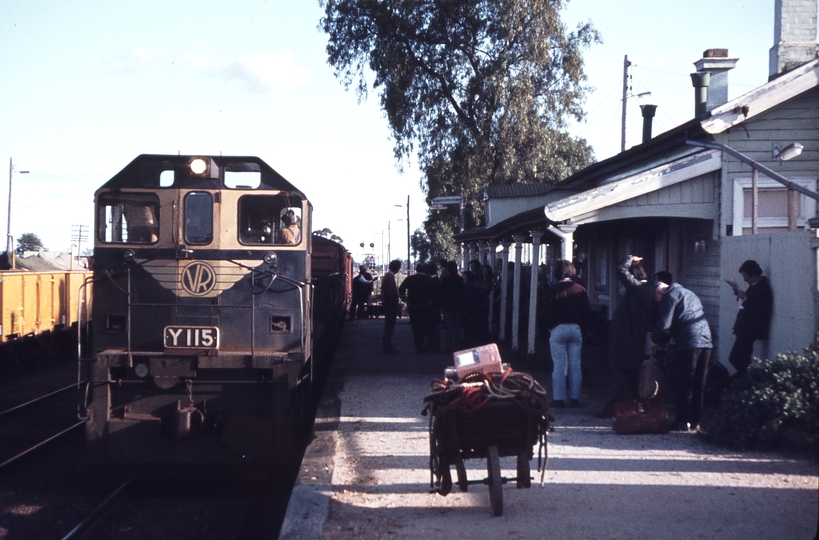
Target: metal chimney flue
700,80
648,115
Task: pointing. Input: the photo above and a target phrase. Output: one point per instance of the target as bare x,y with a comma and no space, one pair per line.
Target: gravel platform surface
367,473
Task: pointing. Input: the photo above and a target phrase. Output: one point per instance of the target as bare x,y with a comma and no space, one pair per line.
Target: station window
128,218
199,217
270,219
772,205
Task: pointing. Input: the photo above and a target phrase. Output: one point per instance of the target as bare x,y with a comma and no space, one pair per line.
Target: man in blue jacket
681,322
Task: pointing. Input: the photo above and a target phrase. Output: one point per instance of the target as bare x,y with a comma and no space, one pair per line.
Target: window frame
185,217
121,197
741,222
243,233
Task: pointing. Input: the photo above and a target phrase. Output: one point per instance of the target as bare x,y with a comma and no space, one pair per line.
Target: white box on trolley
485,358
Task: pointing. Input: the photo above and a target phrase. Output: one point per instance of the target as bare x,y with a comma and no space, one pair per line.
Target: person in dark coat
681,322
627,333
452,291
469,311
392,306
362,289
484,285
416,290
754,317
433,343
566,313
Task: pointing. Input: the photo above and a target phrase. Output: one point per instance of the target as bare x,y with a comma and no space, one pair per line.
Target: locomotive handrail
80,303
299,285
82,404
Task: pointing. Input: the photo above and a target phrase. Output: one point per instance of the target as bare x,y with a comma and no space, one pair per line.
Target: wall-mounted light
788,152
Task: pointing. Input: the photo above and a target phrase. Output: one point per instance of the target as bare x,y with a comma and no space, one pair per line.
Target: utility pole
409,264
626,90
78,235
9,237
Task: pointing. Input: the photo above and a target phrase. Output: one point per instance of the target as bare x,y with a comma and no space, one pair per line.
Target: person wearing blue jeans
566,311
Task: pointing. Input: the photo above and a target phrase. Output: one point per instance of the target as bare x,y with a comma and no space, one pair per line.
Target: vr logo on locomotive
198,278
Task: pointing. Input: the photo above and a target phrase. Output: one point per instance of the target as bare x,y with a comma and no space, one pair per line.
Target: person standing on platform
362,289
434,330
754,317
416,291
566,312
681,322
452,292
485,285
391,304
627,333
469,311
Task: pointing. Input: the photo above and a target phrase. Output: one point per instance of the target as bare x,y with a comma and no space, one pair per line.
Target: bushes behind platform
775,405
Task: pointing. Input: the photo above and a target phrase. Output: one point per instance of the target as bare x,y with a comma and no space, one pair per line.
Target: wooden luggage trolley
486,415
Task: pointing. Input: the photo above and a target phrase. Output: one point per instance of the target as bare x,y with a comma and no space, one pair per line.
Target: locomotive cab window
270,219
128,218
199,217
242,175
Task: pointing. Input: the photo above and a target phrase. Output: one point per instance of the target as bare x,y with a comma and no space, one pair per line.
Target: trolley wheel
524,478
495,482
463,483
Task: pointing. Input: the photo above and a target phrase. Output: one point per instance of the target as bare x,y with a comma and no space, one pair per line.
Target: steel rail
35,400
38,445
86,524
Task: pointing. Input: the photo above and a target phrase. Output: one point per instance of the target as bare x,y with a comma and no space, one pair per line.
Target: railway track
184,508
29,426
89,521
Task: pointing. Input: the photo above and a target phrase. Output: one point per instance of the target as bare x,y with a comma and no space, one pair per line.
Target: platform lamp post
9,237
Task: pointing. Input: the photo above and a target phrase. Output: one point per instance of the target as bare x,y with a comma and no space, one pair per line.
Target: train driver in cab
142,224
291,231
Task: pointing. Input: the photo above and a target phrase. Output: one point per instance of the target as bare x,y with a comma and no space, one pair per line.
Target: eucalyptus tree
29,242
479,91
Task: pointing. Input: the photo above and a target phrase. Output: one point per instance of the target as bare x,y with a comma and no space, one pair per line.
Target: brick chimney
794,36
717,63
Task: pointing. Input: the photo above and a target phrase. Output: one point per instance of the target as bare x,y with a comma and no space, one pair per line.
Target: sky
87,85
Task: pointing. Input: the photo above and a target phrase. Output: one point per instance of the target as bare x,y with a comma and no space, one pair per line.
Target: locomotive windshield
270,219
131,218
198,217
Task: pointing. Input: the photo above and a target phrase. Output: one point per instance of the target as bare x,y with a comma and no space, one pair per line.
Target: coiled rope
475,390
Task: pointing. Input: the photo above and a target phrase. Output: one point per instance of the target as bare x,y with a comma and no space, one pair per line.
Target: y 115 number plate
198,337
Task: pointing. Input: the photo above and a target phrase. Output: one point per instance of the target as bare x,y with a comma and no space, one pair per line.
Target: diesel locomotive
214,309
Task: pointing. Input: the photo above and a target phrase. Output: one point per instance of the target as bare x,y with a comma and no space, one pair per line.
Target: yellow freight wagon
33,303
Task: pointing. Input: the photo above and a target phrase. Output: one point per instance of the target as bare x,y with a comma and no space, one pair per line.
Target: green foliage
440,232
480,91
774,405
29,242
421,247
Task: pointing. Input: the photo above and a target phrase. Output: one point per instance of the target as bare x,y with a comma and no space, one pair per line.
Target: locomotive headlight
141,370
128,255
270,258
199,166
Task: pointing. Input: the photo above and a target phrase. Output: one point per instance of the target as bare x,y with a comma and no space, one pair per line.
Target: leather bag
640,417
651,378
